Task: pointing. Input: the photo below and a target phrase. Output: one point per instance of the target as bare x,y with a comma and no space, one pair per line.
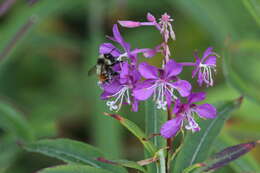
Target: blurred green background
44,73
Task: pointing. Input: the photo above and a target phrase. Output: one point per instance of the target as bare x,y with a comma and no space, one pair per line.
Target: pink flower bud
129,24
150,17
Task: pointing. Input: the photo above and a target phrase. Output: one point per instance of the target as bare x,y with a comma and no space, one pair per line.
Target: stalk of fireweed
128,81
18,35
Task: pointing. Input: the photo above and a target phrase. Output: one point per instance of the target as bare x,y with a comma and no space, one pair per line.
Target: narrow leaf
244,164
246,81
125,163
13,121
74,169
135,130
196,146
71,151
253,7
227,155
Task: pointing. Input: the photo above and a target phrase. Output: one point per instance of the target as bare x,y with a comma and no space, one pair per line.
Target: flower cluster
133,81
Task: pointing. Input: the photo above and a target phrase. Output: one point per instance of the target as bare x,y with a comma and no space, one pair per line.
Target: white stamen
191,124
124,55
207,73
116,104
160,93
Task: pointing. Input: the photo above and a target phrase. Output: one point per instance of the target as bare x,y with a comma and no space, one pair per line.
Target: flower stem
162,162
188,63
169,143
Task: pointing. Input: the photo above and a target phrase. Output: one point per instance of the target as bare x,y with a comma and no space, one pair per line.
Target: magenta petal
207,52
172,69
105,95
135,105
117,35
112,87
129,24
200,78
143,91
206,111
135,75
183,87
171,127
211,61
148,71
195,71
124,72
196,97
106,48
118,38
177,106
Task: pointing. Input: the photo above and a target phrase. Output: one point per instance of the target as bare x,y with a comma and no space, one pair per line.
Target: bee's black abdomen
100,61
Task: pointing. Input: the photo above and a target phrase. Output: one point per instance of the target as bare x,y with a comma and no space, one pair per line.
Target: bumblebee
104,68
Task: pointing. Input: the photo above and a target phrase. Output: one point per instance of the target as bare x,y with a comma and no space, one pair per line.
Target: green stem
154,120
162,161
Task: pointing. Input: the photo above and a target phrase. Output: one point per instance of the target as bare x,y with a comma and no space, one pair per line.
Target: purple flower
133,24
185,115
117,37
121,87
108,48
204,67
159,83
164,25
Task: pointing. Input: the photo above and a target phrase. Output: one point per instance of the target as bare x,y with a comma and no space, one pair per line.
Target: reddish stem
169,142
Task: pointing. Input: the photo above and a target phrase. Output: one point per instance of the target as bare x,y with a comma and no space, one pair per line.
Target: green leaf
74,169
253,7
154,119
130,164
226,156
71,151
125,163
9,151
244,164
196,146
239,76
13,121
219,18
136,131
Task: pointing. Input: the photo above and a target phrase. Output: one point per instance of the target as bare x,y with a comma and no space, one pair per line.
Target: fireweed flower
205,66
164,25
135,82
110,48
133,24
119,90
185,113
161,83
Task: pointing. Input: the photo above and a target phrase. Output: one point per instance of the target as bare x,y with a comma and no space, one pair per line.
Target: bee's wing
92,70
